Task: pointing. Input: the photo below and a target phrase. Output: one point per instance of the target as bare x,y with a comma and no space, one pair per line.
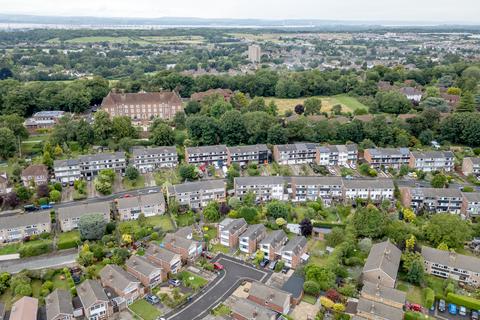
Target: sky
457,11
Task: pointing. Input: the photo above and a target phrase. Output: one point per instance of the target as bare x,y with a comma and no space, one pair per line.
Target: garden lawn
10,248
192,281
163,222
437,285
309,299
136,184
58,283
314,248
67,240
185,219
166,177
145,310
219,248
414,293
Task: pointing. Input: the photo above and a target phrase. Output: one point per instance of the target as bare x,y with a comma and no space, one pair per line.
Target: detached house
26,308
298,153
59,306
229,231
149,274
250,239
150,159
272,243
68,217
149,205
18,227
269,297
123,283
382,264
94,300
36,174
198,194
379,158
243,309
293,253
188,249
432,161
217,155
471,166
266,188
166,259
435,200
412,94
337,155
243,155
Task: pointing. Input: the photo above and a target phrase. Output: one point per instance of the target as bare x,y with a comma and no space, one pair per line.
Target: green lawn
191,280
136,184
437,284
58,283
163,222
219,248
309,299
185,219
10,248
414,293
210,231
315,247
145,310
166,177
68,240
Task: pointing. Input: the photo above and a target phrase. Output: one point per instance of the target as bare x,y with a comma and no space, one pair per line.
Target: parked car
452,308
264,263
474,315
463,311
46,206
152,191
414,307
285,269
272,265
207,254
153,299
174,282
217,266
441,305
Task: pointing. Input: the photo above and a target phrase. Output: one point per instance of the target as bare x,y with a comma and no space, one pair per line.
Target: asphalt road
58,259
235,272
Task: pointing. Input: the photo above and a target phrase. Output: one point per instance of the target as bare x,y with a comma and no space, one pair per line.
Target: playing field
137,40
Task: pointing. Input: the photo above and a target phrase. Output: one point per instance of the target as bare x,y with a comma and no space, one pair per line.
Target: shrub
311,287
468,302
428,297
34,249
327,303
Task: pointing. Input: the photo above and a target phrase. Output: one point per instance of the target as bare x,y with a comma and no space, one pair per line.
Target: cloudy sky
466,11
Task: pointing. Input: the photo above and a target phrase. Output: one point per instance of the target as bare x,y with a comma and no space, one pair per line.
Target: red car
217,266
414,307
127,195
207,255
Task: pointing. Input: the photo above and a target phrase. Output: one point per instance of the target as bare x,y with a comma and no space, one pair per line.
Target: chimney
387,254
452,255
377,291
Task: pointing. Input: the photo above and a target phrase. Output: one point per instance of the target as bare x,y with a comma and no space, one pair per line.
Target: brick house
166,259
244,309
432,161
269,297
188,249
35,173
250,239
435,200
123,283
471,204
94,300
229,231
272,243
58,305
293,251
149,274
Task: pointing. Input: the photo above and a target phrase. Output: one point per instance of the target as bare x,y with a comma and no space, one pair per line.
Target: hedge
410,315
31,249
468,302
428,297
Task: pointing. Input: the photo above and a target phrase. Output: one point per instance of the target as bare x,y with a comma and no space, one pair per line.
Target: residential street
57,259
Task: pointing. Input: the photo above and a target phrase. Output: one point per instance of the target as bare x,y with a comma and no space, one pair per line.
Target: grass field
163,222
129,185
68,240
145,310
185,219
315,247
137,40
349,104
414,293
309,299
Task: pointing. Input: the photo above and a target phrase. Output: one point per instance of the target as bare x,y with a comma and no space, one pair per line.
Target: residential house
337,155
412,94
18,227
188,249
386,295
36,174
123,283
293,253
448,264
151,204
471,166
197,194
217,155
244,309
166,259
471,204
4,189
150,159
58,305
94,300
294,286
372,310
91,165
250,239
258,154
375,190
265,188
380,158
328,189
298,153
269,297
67,171
68,217
429,161
26,308
272,244
43,120
149,274
452,100
435,200
382,264
143,107
229,231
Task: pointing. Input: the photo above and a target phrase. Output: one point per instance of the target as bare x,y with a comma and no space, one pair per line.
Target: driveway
54,260
235,272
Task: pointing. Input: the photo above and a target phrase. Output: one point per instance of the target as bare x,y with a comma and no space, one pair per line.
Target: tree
203,129
43,191
211,211
312,288
132,173
467,103
337,109
306,227
449,229
8,143
192,107
335,237
410,243
299,109
323,276
11,199
277,135
392,102
102,126
312,106
439,180
23,193
92,226
188,172
442,246
436,103
369,222
232,128
277,209
55,196
413,267
122,128
408,215
162,135
250,214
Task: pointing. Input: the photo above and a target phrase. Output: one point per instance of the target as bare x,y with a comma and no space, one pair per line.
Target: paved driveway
217,291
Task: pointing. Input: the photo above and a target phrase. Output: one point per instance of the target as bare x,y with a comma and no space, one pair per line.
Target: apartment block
266,188
166,259
216,155
434,200
329,189
149,274
471,166
379,158
471,204
272,244
67,171
250,239
293,252
68,217
152,204
298,153
258,154
151,159
432,161
43,120
123,283
375,190
337,155
18,227
91,165
229,231
94,300
198,194
447,264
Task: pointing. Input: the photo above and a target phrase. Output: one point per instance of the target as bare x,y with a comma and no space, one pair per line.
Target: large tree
92,226
8,143
392,102
232,128
449,229
369,222
312,106
162,135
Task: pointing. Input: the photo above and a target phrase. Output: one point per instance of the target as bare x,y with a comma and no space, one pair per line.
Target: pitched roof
260,180
178,241
206,149
59,302
248,149
197,186
432,154
24,309
379,309
473,160
275,238
161,253
368,183
83,209
137,152
451,259
389,152
250,310
384,256
142,265
199,96
118,277
103,156
91,291
163,97
472,196
234,225
272,295
66,163
35,170
150,199
410,91
436,192
254,231
383,292
296,147
25,219
296,245
294,286
314,180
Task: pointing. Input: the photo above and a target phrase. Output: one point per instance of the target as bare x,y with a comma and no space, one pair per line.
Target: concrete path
57,260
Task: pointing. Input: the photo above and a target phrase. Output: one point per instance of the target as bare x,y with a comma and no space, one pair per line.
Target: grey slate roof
83,209
338,148
313,180
206,149
91,291
389,152
235,225
383,292
59,302
26,219
137,152
296,245
178,241
384,256
472,196
248,149
197,186
379,309
475,161
297,147
368,183
432,154
2,310
142,265
254,231
66,163
274,238
102,156
250,310
436,192
150,199
453,260
294,286
161,253
270,294
118,277
260,180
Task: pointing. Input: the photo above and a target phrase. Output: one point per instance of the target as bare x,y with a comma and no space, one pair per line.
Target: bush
428,297
468,302
311,287
34,249
279,266
410,315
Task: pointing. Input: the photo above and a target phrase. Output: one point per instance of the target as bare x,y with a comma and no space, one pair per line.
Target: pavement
234,273
54,260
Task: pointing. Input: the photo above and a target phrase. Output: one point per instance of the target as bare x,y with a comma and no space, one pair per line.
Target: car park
174,282
452,308
264,263
441,305
462,311
152,299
